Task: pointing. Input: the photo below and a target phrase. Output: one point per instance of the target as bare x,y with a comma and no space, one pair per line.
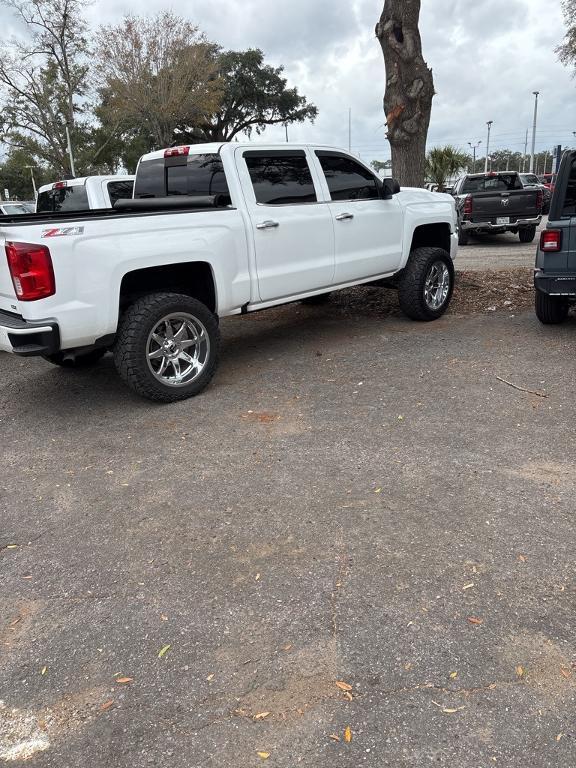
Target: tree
254,95
567,49
45,79
15,175
443,163
157,72
409,89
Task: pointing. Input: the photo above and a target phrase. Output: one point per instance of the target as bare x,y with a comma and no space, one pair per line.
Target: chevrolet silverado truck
496,203
215,230
555,273
85,193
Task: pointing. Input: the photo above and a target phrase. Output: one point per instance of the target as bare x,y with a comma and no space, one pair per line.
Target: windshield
63,199
499,182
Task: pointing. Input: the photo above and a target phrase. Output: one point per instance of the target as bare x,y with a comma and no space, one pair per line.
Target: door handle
344,216
267,225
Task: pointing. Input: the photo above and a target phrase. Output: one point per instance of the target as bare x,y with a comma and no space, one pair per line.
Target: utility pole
525,151
473,147
536,94
286,126
31,167
489,124
69,143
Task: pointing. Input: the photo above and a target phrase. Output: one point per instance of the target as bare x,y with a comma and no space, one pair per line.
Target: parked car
555,273
549,180
215,230
531,180
84,194
496,203
14,208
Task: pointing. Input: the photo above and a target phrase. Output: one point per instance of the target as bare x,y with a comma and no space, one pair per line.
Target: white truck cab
85,193
215,230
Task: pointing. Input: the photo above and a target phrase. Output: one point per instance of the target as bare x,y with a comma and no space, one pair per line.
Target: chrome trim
468,225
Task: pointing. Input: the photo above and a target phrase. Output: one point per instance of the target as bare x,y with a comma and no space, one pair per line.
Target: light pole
31,168
489,124
474,147
536,94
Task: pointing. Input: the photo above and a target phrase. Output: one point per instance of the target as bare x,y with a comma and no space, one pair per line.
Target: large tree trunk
409,89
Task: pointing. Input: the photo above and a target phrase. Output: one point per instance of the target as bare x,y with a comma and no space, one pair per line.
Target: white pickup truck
86,193
215,230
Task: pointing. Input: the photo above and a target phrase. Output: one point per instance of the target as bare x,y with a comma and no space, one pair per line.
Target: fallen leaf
334,737
408,666
261,715
210,677
451,711
343,686
16,621
559,736
474,620
11,546
468,586
565,672
519,671
163,651
453,675
522,558
263,755
164,617
44,670
347,734
348,695
124,679
287,647
257,578
106,705
378,490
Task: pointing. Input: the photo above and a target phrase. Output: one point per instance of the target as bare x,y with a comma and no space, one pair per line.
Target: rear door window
64,199
120,190
195,175
280,178
569,204
347,179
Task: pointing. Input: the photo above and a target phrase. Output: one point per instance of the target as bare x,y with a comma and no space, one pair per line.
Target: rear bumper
555,285
27,338
488,226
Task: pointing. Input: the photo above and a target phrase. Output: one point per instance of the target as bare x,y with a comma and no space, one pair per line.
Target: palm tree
442,163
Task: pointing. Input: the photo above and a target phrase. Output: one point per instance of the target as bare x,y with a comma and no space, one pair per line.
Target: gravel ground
355,548
496,252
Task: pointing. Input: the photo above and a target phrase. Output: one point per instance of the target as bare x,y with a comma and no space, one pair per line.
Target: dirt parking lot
355,548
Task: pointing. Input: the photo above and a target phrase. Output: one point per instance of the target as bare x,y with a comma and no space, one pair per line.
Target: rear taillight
59,185
31,270
468,205
540,200
551,240
176,151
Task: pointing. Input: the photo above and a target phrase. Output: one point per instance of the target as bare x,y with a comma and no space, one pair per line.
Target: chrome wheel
178,349
437,285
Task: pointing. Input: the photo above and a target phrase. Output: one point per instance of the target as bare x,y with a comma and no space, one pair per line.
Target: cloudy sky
487,56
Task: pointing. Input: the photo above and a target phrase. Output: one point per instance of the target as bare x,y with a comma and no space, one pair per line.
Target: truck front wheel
550,310
427,282
167,347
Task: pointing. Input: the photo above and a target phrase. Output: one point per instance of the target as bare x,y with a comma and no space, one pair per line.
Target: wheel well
192,279
432,236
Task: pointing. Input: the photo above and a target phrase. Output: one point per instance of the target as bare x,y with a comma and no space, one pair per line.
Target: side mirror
389,188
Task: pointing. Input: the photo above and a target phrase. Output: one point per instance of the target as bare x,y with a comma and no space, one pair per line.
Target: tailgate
517,204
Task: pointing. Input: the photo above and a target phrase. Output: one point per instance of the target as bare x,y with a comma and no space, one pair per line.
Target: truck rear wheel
550,310
527,234
167,347
427,282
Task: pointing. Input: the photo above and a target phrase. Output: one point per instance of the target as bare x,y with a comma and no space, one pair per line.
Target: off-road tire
130,348
550,310
412,284
314,301
527,234
463,237
76,361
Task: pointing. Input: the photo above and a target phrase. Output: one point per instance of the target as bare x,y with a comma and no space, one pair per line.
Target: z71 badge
62,231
